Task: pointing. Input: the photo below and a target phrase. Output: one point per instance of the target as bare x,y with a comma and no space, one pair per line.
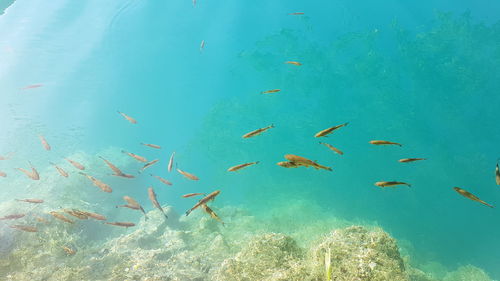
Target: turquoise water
423,74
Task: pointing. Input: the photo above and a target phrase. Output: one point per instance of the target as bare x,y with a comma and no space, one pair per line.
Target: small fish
3,174
25,228
293,62
162,179
288,164
45,144
132,204
497,174
7,156
188,175
149,164
211,212
241,166
192,194
171,162
128,118
117,172
203,201
382,142
68,250
391,183
296,14
42,220
104,187
60,170
271,91
305,162
336,150
330,130
95,216
75,164
122,224
32,175
471,196
32,86
257,132
60,216
34,201
406,160
12,217
152,197
76,213
135,156
202,45
151,145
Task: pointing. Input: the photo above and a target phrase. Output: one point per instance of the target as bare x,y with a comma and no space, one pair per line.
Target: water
423,75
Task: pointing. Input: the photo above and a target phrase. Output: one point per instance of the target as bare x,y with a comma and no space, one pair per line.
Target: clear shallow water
423,75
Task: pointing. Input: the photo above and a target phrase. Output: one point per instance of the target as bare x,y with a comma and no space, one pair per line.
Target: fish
391,183
6,156
104,187
162,179
383,142
33,86
257,132
241,166
305,162
68,250
336,150
76,213
60,216
135,156
128,118
42,220
149,164
330,130
191,195
75,164
25,228
94,216
202,45
171,162
117,172
211,212
12,217
296,14
497,174
34,201
151,145
60,170
32,175
132,204
122,224
188,175
45,144
293,62
471,196
271,91
203,201
406,160
152,197
3,174
288,164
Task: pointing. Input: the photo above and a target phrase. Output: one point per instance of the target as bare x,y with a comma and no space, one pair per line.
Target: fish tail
257,162
188,212
272,126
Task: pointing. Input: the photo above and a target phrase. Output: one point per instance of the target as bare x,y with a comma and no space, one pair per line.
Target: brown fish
293,62
305,162
257,132
188,175
192,194
34,201
122,224
32,175
241,166
12,217
151,145
42,220
211,212
60,170
162,179
382,142
152,197
75,164
296,14
76,213
336,150
149,164
94,216
471,196
406,160
271,91
117,172
25,228
33,86
288,164
391,183
171,162
70,251
128,118
135,156
132,204
104,187
203,201
3,174
60,216
330,130
44,142
497,174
